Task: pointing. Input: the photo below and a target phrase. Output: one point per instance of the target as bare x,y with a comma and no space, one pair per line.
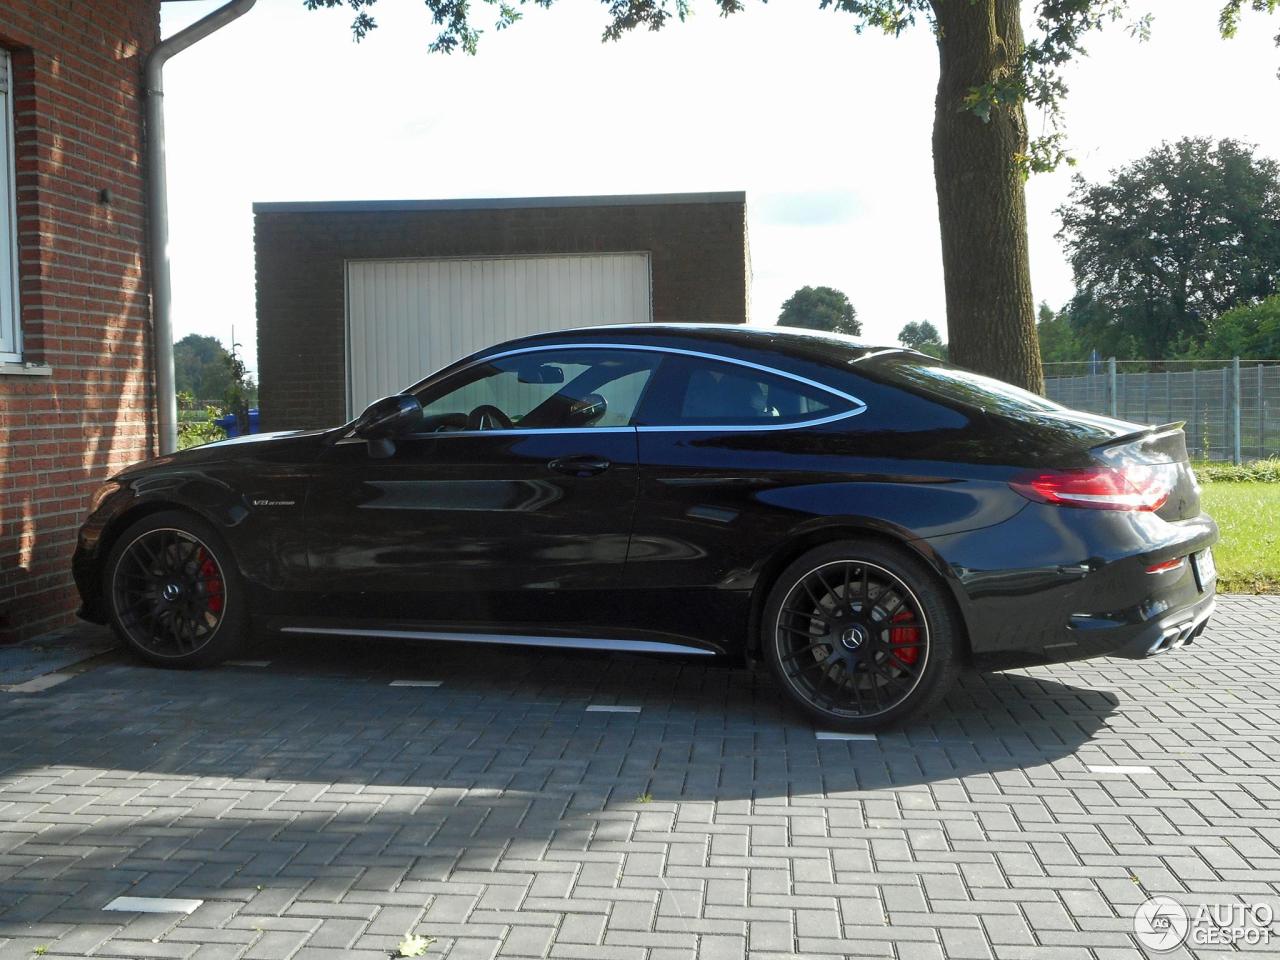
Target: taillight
1130,487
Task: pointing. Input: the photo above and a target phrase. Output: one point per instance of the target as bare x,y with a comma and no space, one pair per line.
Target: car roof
812,345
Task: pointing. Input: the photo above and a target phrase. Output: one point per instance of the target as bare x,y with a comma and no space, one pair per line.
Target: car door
719,439
512,505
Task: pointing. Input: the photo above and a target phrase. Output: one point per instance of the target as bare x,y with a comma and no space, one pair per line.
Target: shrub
194,432
1258,471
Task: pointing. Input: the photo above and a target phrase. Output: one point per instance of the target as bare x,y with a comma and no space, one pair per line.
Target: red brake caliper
212,582
904,635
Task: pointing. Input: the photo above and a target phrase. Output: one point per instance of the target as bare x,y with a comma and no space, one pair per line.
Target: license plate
1206,569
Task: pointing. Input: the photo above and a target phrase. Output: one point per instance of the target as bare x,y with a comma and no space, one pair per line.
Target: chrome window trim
523,431
858,406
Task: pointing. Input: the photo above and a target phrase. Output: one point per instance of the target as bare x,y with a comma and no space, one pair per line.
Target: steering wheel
488,417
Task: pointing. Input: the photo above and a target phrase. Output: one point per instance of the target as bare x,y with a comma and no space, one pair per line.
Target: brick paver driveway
319,811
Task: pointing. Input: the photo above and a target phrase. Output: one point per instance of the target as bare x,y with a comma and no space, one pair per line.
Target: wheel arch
94,608
803,541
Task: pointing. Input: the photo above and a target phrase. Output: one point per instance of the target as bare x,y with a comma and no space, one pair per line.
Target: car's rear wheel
174,593
860,635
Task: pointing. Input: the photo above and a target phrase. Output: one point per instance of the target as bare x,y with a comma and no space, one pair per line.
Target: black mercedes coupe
866,521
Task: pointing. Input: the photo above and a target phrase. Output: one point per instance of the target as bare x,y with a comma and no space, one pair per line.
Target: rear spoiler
1146,433
1143,434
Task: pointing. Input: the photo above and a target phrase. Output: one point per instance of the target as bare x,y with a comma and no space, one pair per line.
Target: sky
827,131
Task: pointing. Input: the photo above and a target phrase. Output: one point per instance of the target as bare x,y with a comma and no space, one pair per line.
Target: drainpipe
158,211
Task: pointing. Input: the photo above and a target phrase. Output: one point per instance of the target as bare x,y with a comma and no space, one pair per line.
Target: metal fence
1231,407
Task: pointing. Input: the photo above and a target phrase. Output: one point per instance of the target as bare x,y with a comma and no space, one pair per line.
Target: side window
543,389
714,393
622,396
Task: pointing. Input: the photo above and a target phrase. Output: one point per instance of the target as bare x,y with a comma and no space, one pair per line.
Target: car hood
251,438
280,444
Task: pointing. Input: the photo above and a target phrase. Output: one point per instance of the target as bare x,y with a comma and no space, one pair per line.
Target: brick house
76,363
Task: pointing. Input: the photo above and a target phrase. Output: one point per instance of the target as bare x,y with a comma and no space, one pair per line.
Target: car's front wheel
860,635
174,593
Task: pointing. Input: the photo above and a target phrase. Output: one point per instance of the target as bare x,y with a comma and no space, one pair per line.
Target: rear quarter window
895,411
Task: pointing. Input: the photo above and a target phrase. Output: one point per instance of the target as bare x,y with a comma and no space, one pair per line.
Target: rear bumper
1094,636
1109,638
1169,633
1056,584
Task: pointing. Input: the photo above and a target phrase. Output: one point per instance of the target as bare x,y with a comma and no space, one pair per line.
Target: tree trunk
981,204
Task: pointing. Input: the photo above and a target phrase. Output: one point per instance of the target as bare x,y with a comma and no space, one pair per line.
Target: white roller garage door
406,318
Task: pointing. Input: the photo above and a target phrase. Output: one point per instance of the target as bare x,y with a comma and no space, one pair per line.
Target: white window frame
10,314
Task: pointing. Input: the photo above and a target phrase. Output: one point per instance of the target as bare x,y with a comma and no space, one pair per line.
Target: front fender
255,510
209,498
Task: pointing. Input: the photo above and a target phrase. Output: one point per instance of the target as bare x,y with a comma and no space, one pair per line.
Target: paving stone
219,951
631,916
526,942
722,948
276,945
581,928
169,950
765,935
395,921
337,933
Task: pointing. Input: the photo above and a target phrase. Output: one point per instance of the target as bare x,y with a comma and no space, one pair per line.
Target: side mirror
584,412
385,419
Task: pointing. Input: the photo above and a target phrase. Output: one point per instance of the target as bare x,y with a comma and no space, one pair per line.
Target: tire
861,635
173,592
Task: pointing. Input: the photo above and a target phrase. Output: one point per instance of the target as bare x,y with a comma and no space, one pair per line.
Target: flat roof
496,203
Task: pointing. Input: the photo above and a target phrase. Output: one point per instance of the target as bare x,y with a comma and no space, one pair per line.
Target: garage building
357,300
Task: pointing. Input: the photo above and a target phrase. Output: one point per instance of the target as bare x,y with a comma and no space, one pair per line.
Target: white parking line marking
39,683
246,663
610,708
1109,769
153,905
416,683
838,735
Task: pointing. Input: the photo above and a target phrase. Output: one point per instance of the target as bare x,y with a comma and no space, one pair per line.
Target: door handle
585,466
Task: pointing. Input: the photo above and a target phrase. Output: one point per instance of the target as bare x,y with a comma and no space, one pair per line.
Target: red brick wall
699,261
84,294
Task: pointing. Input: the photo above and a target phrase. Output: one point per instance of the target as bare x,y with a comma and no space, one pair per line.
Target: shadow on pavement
312,771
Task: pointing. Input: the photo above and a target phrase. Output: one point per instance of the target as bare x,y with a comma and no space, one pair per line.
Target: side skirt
509,639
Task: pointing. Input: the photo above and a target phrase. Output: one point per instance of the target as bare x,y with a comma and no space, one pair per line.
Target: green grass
1248,556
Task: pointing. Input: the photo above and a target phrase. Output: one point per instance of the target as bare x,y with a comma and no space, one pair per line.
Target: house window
10,334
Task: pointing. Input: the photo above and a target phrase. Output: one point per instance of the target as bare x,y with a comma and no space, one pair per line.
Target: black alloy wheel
174,596
860,635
